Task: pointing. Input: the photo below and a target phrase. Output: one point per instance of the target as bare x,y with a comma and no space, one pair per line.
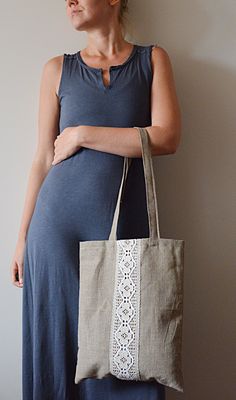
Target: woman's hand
66,144
17,264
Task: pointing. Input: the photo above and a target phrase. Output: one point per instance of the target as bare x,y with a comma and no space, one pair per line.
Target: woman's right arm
48,129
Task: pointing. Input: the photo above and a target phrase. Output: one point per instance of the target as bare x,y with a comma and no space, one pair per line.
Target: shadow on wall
196,185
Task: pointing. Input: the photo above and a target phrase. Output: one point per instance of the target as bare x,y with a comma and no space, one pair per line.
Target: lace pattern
124,336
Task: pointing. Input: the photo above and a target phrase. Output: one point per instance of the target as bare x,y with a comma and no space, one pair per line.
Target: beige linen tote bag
131,299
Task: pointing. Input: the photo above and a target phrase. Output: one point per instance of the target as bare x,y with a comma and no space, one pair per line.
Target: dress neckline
131,55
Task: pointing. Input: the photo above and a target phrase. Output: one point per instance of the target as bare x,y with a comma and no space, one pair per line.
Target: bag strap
127,162
154,230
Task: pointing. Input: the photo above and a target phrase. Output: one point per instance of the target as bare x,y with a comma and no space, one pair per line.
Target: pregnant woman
90,102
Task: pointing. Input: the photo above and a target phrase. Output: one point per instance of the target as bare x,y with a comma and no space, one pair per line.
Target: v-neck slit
99,71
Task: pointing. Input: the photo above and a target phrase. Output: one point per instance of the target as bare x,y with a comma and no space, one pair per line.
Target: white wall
196,186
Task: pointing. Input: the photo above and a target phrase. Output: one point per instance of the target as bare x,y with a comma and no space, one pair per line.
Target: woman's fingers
17,275
20,272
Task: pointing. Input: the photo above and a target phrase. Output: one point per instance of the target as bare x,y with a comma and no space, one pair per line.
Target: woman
89,103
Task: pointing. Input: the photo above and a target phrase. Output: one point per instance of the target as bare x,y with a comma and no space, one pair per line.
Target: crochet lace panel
124,335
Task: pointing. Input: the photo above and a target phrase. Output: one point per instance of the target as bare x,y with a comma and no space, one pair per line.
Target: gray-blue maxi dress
76,202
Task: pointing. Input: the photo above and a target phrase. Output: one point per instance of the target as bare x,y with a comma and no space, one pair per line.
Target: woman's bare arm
48,117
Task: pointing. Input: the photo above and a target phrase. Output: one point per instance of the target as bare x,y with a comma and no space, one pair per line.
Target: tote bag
131,299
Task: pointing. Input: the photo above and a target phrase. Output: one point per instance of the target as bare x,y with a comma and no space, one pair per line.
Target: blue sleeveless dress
76,202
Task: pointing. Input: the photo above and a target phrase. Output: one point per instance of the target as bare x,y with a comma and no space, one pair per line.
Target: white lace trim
124,338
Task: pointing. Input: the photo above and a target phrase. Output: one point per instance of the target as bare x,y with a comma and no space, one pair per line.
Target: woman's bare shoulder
52,70
160,55
161,64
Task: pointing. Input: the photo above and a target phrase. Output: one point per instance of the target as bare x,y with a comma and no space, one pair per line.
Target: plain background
196,186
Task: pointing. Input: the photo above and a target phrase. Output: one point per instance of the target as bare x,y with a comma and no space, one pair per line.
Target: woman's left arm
164,132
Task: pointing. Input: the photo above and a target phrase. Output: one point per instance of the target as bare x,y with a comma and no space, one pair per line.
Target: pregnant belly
85,174
79,190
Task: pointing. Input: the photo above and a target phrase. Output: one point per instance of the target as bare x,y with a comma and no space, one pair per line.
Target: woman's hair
122,14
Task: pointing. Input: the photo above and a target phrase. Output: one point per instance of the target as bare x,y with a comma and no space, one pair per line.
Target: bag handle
154,230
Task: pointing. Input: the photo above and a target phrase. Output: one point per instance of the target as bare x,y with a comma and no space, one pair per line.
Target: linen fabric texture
131,298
